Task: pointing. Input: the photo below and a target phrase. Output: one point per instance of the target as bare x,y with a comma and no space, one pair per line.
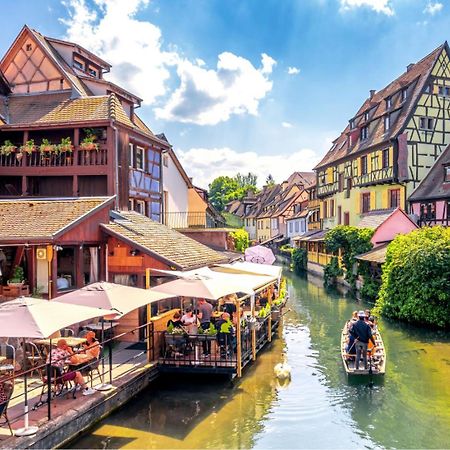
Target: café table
71,341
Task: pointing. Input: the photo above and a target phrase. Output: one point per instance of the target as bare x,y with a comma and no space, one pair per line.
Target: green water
320,408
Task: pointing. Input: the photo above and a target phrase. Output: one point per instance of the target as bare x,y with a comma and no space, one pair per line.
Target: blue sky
214,75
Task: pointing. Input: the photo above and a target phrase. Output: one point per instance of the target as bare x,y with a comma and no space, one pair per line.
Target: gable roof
34,219
433,185
374,219
304,178
161,242
414,80
376,255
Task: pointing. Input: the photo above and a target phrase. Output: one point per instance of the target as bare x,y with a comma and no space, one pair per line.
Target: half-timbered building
389,145
67,131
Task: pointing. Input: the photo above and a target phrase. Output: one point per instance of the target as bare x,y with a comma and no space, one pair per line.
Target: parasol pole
252,303
149,314
238,337
106,386
26,430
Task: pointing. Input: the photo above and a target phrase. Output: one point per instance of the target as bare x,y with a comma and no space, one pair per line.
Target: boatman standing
362,333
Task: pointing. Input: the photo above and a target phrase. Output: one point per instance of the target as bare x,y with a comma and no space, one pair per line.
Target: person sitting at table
175,321
91,350
58,357
225,335
230,305
188,317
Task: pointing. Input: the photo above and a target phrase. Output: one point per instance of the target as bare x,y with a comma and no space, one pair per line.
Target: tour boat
376,363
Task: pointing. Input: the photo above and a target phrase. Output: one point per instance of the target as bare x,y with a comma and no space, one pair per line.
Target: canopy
259,255
249,268
117,297
209,284
34,318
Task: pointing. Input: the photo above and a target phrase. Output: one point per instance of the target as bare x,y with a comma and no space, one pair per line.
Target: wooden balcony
55,159
327,189
375,177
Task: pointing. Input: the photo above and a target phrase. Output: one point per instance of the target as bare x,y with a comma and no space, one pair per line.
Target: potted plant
174,335
263,312
28,147
17,278
88,143
209,334
7,148
47,147
65,146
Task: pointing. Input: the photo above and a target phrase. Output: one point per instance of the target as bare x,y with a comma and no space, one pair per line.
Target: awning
249,268
376,255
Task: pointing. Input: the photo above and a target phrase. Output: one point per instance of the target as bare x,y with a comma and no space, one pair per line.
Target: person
91,350
230,305
188,317
362,333
58,357
225,331
175,321
205,310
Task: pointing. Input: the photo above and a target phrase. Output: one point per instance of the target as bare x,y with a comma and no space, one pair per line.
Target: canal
320,408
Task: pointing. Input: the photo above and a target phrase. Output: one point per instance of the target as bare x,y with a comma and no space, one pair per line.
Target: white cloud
198,163
293,71
432,8
144,66
380,6
286,124
209,96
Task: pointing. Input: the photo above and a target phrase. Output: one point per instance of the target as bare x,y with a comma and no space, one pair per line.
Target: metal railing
180,220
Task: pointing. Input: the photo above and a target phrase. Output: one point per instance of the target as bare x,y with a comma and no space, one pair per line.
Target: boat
376,364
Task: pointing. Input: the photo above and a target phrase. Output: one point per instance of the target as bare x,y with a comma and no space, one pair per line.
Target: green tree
241,240
416,278
269,180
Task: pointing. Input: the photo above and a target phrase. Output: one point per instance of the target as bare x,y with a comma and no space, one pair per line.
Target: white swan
282,371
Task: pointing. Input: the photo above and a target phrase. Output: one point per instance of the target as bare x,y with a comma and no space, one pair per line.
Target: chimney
372,93
409,67
284,185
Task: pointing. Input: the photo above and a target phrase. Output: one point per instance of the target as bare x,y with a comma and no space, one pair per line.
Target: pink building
431,199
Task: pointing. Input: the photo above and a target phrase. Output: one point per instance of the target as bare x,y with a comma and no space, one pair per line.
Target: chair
67,332
9,389
93,366
9,352
57,385
34,357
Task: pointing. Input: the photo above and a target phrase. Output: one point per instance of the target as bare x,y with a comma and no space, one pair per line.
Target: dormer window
352,124
366,117
388,103
364,133
444,90
404,94
426,123
92,72
387,122
447,174
78,64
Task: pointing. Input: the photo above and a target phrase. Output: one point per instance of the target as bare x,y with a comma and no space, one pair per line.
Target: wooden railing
374,177
327,189
56,159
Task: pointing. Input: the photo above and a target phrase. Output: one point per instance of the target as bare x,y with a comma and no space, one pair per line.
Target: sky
244,85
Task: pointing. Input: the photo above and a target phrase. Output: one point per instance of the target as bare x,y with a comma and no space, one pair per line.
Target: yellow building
389,145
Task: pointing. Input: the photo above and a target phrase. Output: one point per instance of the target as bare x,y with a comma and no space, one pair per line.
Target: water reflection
319,408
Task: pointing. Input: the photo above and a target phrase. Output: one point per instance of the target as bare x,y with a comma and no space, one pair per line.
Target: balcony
199,220
78,157
327,189
374,177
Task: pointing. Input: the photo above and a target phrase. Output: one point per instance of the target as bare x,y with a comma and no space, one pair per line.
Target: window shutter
358,203
369,163
385,199
322,209
329,175
391,156
360,166
373,200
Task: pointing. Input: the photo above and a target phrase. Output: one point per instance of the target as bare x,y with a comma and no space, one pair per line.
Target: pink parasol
259,255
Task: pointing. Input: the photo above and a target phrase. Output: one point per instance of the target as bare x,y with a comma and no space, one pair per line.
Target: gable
28,68
397,223
442,65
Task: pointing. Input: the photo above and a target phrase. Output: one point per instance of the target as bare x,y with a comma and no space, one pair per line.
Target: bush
299,260
241,240
332,271
416,278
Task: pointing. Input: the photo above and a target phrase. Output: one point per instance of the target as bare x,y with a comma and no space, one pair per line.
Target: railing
327,189
191,220
373,177
78,157
430,222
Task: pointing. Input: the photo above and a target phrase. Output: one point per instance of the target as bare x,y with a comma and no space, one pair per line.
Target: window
387,122
374,161
28,47
346,218
165,160
428,88
366,202
364,133
426,123
404,94
331,208
130,147
394,198
92,72
366,116
275,224
325,209
352,124
140,158
140,207
131,205
290,227
385,157
389,102
297,226
447,174
339,219
303,226
78,64
428,210
363,165
444,90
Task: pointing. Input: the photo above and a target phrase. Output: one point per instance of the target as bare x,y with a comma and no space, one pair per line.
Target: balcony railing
328,189
56,159
179,220
374,177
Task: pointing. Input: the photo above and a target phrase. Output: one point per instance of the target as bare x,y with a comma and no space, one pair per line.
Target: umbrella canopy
259,255
249,268
34,318
118,297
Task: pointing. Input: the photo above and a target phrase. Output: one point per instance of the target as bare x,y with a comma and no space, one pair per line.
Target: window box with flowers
28,147
65,146
47,147
88,143
7,148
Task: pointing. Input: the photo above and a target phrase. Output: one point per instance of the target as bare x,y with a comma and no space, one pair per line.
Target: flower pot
15,283
275,315
174,339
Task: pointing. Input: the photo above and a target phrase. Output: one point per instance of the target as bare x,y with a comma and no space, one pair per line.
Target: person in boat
175,321
362,333
350,348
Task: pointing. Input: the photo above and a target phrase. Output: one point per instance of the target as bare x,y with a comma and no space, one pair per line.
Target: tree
416,278
223,189
269,180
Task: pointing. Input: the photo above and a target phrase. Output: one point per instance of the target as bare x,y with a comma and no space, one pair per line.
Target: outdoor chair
66,332
57,385
9,389
9,352
34,357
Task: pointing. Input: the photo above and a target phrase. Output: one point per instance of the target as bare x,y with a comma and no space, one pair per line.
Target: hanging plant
47,147
7,148
88,143
65,146
28,147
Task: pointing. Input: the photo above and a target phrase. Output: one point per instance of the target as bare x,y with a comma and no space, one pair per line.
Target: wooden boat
376,363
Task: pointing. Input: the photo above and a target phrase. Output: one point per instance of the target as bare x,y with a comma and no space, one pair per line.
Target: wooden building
66,131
